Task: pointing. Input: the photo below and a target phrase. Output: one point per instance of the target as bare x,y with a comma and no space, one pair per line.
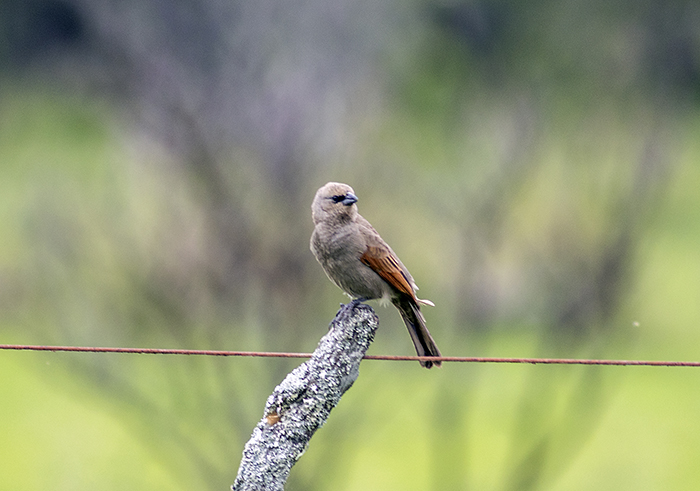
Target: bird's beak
350,199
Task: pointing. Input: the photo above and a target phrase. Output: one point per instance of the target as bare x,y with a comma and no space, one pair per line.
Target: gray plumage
357,259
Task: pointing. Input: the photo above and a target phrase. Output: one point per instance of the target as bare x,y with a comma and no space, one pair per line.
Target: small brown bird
357,259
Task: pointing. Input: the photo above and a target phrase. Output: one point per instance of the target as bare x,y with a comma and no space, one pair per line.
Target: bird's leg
353,303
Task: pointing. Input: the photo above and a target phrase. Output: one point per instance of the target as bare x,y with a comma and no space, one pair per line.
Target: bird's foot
352,304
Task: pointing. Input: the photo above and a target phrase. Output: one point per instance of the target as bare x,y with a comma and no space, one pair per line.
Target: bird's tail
415,322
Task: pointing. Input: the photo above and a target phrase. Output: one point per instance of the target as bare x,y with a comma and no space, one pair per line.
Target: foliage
536,167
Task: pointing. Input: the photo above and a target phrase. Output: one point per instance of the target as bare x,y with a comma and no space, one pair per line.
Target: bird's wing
389,268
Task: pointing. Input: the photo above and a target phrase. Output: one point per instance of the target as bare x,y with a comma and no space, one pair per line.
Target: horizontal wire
268,354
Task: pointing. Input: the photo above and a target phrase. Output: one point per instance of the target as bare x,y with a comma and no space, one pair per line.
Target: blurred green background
535,164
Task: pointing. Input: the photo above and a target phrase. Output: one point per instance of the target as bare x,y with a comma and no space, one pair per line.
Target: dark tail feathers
413,318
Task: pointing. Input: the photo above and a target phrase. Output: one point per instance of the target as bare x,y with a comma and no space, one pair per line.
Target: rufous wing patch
387,266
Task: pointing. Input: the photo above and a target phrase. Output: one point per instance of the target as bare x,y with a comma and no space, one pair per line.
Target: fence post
302,402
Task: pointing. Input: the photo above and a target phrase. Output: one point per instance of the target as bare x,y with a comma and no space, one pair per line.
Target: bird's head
334,201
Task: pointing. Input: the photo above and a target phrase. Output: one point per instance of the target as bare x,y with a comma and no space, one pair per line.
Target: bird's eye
338,198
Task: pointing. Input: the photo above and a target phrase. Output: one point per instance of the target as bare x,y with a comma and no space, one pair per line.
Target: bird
356,258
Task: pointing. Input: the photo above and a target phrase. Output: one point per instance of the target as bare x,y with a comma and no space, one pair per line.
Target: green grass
58,434
400,427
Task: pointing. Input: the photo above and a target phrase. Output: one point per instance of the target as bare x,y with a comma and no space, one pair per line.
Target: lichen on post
303,401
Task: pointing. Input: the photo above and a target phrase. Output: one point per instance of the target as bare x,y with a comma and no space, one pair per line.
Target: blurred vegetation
536,165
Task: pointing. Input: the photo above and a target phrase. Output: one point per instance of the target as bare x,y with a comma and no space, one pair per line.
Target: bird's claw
351,305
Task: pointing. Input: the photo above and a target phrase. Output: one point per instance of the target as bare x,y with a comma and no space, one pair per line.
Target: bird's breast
339,252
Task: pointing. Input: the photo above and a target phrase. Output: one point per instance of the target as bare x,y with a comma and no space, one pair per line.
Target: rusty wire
268,354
